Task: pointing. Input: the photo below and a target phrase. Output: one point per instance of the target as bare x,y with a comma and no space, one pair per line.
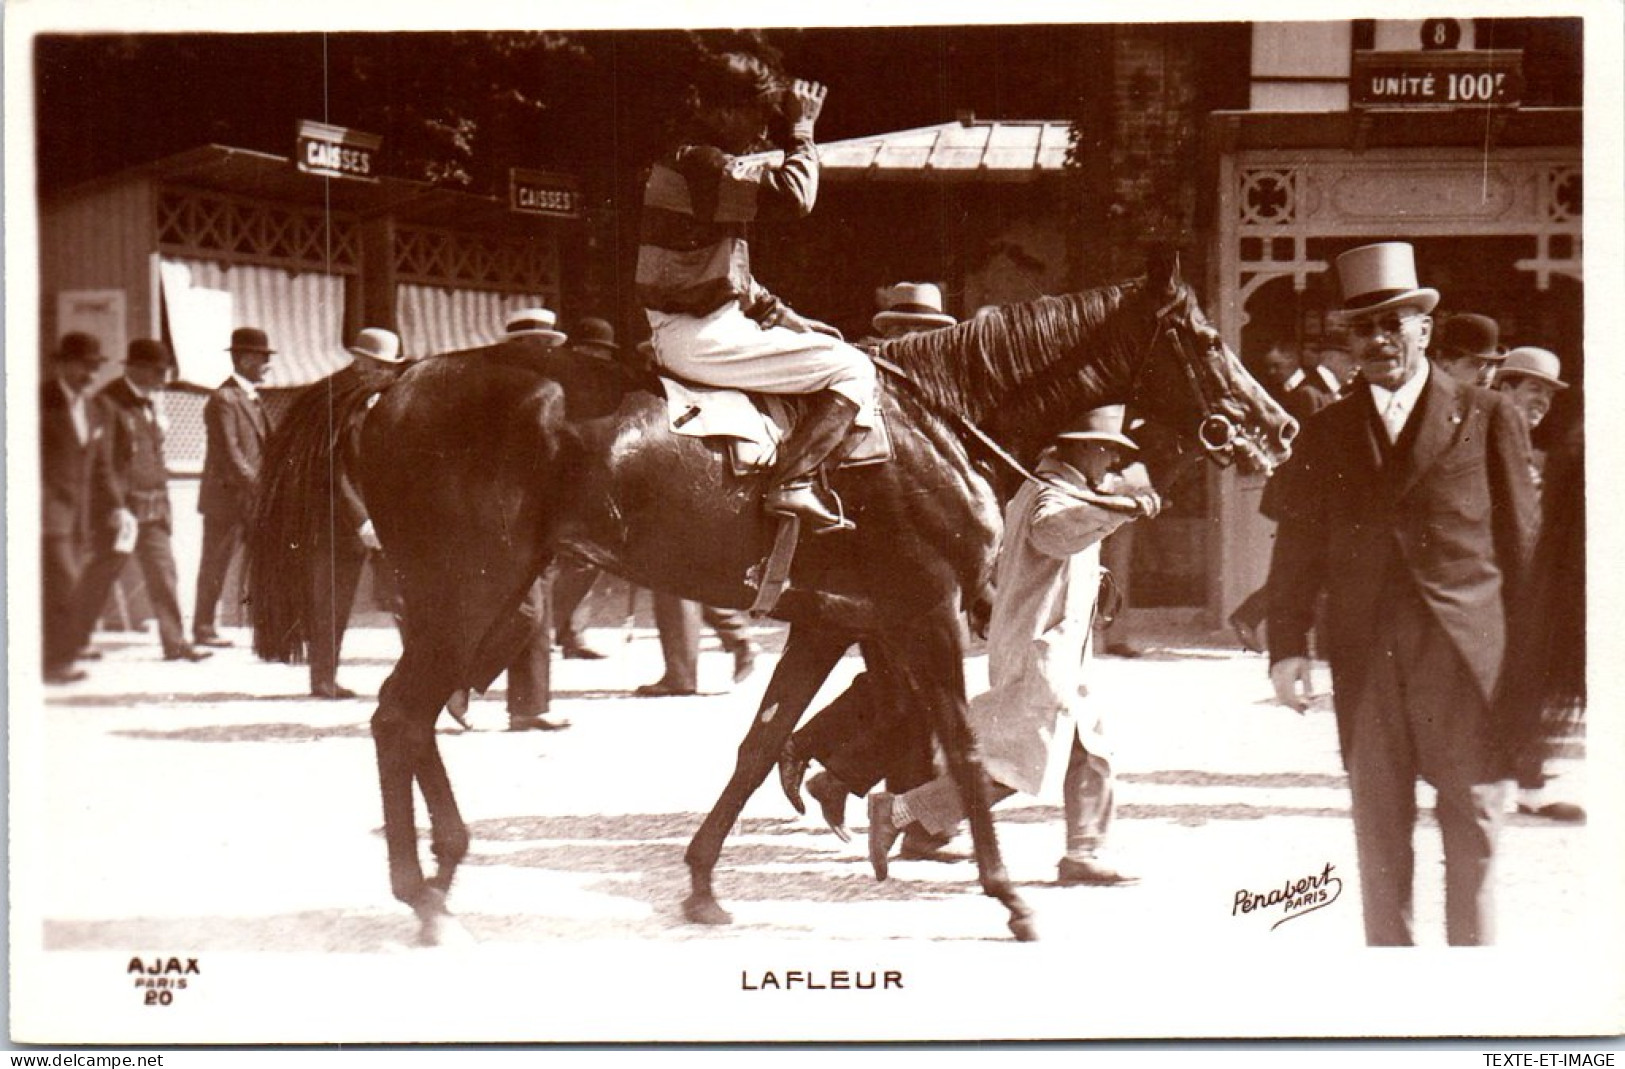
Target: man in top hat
236,425
1039,657
342,536
136,501
1409,503
72,461
1467,347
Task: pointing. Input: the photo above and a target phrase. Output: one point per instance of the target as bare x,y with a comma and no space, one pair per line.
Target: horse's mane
296,467
1024,362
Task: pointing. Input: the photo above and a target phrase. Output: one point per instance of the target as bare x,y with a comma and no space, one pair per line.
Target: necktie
1393,418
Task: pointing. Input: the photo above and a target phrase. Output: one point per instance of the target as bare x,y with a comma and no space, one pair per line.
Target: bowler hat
376,343
534,323
595,332
79,347
250,340
146,352
1528,362
1474,336
1103,424
911,305
1375,278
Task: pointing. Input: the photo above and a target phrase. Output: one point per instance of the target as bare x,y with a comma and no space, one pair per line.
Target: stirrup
820,519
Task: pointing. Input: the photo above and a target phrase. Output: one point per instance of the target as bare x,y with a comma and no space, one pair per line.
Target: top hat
596,332
1103,424
912,306
79,347
145,352
1375,278
534,323
1473,336
1532,363
249,340
375,343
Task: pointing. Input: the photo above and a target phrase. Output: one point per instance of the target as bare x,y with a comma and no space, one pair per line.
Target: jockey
711,321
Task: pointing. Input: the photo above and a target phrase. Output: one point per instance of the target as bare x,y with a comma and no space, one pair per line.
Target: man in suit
343,535
235,421
72,426
1467,347
1409,502
136,498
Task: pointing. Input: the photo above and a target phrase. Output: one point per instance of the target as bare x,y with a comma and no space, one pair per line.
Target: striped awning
439,319
302,314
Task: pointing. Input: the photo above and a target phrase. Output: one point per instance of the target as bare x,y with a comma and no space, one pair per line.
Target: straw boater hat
1532,363
249,340
1375,278
914,305
1473,336
375,343
534,323
1103,424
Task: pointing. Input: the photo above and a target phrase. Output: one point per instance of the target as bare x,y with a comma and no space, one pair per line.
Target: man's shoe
188,653
536,722
1562,812
88,654
800,499
457,706
1092,872
576,650
331,692
65,674
1246,634
662,688
1122,649
209,638
831,794
882,833
792,770
921,845
744,661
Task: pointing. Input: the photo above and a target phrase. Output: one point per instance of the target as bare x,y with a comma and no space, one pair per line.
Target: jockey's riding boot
820,432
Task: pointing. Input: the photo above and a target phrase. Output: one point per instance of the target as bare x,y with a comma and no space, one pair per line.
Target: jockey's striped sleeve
693,256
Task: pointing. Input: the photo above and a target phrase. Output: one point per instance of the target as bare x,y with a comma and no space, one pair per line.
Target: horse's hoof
1024,929
444,931
703,910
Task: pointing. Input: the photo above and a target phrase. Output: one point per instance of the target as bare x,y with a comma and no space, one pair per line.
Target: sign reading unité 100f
1436,79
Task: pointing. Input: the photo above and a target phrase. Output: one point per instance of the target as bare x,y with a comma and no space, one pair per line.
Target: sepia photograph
707,525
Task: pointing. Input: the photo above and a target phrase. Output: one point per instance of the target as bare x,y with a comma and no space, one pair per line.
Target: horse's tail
297,474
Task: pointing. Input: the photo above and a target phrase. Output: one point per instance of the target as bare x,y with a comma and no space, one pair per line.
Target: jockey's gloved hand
782,315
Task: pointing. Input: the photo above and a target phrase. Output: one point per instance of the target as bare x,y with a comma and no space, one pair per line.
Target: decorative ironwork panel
448,258
221,226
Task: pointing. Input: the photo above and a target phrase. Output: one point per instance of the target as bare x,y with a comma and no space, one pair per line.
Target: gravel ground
215,812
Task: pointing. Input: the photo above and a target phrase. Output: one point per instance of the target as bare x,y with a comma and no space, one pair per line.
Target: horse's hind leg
808,657
930,663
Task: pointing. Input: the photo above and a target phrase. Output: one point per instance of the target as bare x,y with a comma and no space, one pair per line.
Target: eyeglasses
1389,323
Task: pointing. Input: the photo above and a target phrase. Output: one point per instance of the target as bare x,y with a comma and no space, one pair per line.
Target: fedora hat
79,347
1474,336
376,343
1103,424
597,333
1375,278
911,305
145,352
1528,362
534,323
249,340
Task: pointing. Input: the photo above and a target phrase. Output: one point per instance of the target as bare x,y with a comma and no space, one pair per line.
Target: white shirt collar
1329,377
1293,381
1407,393
248,387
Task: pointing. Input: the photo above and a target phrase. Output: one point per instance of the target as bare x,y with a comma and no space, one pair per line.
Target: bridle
1218,434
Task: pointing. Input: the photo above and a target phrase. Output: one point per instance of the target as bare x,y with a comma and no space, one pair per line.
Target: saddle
751,425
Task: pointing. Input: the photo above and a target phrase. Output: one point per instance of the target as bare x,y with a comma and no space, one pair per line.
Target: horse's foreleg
403,736
933,672
807,660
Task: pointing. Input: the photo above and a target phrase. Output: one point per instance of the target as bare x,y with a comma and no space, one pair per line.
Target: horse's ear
1162,270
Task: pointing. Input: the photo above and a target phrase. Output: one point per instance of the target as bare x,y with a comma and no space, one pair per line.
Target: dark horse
479,466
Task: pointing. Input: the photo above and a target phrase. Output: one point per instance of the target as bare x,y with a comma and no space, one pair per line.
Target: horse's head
1190,378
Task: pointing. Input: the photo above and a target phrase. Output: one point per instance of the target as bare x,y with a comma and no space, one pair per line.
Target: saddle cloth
752,425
